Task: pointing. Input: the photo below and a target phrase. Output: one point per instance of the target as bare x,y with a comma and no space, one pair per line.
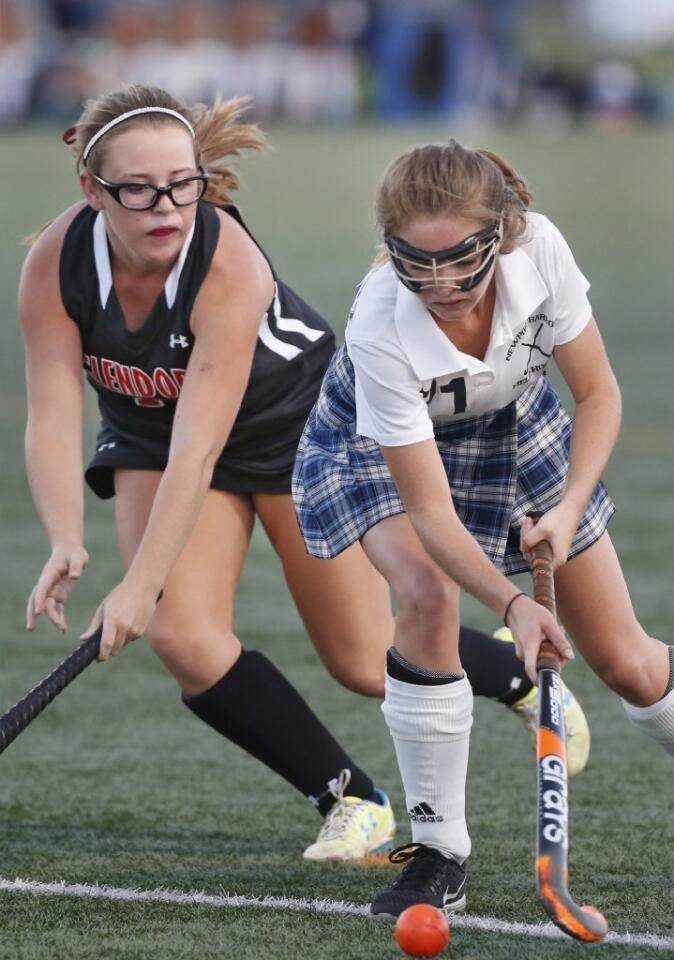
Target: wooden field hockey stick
552,872
29,707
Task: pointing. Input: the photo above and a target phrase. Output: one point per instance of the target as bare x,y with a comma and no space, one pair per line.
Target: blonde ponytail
220,136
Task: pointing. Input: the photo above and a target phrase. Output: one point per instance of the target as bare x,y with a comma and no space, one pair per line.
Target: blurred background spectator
18,63
551,61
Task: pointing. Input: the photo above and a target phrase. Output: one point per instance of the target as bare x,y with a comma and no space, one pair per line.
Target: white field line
194,898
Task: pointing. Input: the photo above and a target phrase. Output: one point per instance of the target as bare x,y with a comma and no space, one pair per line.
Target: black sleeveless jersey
138,374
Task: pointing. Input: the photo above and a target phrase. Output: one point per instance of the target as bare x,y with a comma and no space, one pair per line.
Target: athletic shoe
428,877
354,828
575,723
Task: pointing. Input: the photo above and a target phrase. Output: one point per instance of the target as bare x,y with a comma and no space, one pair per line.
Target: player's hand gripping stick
583,923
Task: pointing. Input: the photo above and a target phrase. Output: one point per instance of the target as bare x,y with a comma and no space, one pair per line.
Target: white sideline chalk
297,904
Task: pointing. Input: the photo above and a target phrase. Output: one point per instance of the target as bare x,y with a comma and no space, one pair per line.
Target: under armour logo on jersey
178,341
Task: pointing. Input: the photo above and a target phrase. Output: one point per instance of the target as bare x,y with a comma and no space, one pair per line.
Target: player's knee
162,638
167,635
197,656
177,642
429,596
625,675
365,680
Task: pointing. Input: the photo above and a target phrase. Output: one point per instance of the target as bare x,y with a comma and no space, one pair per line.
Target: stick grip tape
29,707
544,593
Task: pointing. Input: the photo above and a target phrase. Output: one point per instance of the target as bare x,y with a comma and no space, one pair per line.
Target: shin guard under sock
254,706
430,726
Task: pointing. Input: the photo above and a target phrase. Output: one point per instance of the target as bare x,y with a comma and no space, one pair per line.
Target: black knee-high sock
254,706
492,667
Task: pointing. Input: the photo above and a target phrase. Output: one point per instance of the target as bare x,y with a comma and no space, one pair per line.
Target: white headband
127,116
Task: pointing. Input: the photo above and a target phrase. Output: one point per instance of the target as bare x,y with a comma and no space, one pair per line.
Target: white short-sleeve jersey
409,374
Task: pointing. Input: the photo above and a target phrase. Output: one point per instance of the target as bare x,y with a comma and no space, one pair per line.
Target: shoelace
338,820
335,787
422,864
338,785
342,813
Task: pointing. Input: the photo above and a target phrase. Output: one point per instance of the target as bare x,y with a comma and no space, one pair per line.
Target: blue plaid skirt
501,467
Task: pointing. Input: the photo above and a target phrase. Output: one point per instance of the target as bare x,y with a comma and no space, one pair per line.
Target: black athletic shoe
429,877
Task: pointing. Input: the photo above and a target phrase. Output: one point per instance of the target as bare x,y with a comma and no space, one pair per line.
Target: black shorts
267,471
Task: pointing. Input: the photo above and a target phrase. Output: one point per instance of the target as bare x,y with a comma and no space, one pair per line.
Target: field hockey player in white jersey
434,442
206,365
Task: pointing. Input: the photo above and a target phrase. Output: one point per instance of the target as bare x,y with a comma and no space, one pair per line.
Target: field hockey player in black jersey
206,366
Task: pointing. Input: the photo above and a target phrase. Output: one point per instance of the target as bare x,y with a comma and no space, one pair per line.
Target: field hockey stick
552,872
29,707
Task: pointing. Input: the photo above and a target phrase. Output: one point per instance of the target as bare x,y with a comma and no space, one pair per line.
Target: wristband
510,603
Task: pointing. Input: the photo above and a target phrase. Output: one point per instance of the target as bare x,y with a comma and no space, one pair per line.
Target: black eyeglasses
145,196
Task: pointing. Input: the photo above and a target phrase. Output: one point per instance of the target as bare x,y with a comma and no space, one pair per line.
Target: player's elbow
612,402
194,458
602,398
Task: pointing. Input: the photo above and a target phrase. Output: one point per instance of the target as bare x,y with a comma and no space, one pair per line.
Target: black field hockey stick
552,872
29,707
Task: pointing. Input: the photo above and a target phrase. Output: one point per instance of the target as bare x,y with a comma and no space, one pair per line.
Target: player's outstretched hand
59,575
531,624
125,614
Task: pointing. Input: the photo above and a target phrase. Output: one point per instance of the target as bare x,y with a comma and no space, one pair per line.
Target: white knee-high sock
657,721
430,726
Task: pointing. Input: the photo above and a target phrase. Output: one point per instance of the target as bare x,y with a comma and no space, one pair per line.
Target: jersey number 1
457,386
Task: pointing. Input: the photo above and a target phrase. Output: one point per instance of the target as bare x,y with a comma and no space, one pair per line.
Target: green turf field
117,785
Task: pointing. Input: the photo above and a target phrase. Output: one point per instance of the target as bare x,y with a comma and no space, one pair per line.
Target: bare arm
420,476
596,424
225,323
54,428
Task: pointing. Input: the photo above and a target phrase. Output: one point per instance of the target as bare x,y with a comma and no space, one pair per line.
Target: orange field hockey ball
422,931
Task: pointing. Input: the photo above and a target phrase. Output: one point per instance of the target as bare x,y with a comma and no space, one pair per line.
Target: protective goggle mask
460,267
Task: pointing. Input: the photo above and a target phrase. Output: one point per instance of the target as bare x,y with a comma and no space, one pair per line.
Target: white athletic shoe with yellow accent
354,828
575,723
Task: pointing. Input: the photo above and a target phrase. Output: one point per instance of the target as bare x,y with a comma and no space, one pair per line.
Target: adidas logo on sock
424,813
